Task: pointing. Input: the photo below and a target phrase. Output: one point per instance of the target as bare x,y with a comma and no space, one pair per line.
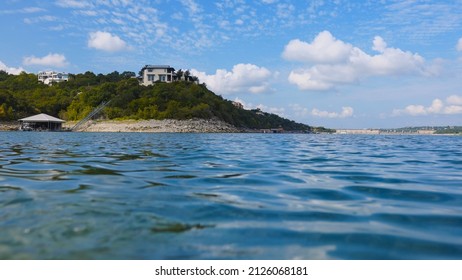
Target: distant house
238,105
153,73
50,77
41,122
150,74
272,130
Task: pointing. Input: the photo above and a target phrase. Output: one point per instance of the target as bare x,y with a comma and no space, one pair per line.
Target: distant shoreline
198,126
385,132
389,132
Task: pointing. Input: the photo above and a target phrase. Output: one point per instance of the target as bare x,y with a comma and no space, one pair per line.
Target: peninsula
179,105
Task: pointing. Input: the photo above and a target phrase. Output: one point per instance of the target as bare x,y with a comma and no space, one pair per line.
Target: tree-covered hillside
22,95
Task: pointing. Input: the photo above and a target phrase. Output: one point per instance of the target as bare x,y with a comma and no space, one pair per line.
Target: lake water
229,196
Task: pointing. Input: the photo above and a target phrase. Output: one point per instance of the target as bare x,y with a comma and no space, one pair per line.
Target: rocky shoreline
179,126
8,126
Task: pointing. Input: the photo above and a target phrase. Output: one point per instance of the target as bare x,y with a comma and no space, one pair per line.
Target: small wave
222,196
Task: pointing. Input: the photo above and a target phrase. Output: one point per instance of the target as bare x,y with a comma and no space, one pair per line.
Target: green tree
3,75
179,74
128,74
187,75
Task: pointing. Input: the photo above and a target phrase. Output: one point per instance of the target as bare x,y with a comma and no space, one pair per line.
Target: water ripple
229,196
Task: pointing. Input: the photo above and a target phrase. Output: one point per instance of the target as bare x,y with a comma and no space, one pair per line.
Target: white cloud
459,45
418,21
192,6
31,10
454,100
198,26
10,70
76,4
285,11
324,49
331,62
323,76
274,110
89,13
454,106
105,41
379,44
413,110
52,59
26,10
453,110
436,107
35,20
346,113
299,110
243,78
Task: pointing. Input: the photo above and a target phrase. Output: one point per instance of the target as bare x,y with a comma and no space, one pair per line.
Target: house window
162,78
151,77
149,70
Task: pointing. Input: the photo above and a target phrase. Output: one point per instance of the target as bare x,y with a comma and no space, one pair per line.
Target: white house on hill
50,77
150,74
154,73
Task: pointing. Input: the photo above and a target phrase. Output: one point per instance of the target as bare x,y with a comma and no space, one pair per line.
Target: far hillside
22,95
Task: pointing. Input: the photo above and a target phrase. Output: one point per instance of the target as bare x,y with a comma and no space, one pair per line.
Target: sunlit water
229,196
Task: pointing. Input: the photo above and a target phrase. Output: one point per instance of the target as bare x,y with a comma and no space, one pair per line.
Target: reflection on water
229,196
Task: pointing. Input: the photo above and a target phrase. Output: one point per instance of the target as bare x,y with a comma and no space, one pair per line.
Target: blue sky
339,63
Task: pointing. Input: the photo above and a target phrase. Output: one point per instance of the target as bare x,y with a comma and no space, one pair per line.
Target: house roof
158,67
42,118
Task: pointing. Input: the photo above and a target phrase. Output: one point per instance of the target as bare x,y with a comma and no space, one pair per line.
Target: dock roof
42,118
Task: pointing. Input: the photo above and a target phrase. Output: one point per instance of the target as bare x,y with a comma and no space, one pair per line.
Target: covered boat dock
41,122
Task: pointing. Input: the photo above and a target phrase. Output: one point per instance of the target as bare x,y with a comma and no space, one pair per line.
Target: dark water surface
229,196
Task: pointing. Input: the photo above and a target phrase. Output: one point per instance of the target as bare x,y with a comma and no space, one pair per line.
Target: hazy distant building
50,77
238,105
